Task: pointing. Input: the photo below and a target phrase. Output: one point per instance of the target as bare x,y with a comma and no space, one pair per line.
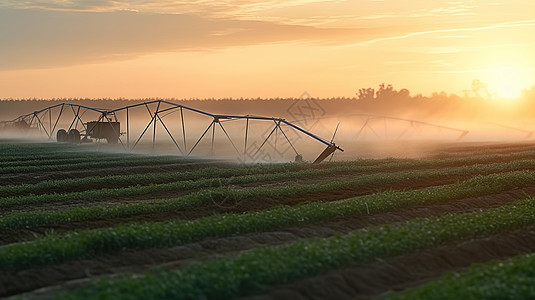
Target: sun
507,81
508,90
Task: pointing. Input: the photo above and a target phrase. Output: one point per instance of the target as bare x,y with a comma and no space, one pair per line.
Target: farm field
76,223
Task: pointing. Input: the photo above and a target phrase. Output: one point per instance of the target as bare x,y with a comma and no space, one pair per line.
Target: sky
262,48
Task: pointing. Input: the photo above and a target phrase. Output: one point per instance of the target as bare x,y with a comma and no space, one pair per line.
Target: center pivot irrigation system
410,125
74,123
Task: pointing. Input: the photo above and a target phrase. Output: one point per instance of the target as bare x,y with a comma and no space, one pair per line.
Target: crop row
17,150
478,150
227,277
512,279
86,243
159,178
65,160
15,147
289,189
64,157
118,181
29,179
56,155
126,161
373,203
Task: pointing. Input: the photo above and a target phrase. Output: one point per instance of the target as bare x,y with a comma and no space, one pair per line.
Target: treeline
384,100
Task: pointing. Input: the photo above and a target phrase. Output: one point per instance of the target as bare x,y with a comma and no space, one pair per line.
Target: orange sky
200,49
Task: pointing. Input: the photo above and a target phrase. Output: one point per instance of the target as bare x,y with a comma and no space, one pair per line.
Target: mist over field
377,122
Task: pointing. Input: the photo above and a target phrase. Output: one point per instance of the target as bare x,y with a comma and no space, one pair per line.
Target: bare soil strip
12,283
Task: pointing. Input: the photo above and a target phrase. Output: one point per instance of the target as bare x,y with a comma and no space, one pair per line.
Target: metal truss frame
43,120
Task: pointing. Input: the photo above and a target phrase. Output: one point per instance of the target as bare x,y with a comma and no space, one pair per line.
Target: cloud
74,5
524,23
326,13
455,9
308,12
40,39
220,8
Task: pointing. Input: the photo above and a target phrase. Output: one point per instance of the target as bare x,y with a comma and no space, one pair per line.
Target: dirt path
12,283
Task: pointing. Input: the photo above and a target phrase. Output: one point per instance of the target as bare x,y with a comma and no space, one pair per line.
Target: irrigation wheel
61,136
74,136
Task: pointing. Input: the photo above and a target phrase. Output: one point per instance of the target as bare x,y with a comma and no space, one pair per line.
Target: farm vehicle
110,131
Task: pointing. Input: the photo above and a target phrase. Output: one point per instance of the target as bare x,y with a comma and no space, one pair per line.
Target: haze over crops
376,122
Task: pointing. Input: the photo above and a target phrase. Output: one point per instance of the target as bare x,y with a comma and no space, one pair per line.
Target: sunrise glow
204,49
508,81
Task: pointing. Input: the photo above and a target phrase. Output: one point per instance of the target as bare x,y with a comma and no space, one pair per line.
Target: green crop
227,277
372,203
126,161
66,161
118,181
57,156
286,190
87,243
512,279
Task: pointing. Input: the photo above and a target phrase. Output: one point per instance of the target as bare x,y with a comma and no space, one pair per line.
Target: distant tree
404,94
439,96
366,94
385,91
479,90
